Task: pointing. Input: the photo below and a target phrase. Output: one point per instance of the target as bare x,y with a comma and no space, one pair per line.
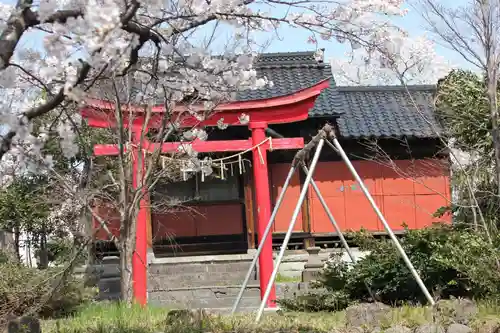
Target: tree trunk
8,246
17,236
86,227
495,132
492,79
43,253
126,284
90,277
86,220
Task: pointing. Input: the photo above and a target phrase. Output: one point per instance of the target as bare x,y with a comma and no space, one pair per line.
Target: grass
280,278
116,318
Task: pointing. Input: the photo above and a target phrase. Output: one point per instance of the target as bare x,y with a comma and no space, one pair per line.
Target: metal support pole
330,217
264,237
384,222
335,226
290,229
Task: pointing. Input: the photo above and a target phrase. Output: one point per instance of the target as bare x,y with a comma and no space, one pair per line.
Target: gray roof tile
290,72
360,112
379,111
386,111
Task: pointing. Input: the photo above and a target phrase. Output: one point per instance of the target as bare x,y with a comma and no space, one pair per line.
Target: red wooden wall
201,220
409,192
279,172
112,216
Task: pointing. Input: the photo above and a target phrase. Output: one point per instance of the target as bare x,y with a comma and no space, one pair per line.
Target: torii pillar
278,110
140,256
143,225
263,207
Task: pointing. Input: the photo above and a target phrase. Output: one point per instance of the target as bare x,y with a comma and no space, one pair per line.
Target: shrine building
393,145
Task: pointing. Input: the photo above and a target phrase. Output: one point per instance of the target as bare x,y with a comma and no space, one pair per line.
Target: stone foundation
219,297
204,281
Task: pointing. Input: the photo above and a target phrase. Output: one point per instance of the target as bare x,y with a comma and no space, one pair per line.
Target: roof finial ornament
319,55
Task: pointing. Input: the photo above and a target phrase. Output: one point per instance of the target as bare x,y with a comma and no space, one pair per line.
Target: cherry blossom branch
31,75
19,22
38,111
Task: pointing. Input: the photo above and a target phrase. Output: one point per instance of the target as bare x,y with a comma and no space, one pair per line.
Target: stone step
179,275
219,297
108,296
112,270
107,271
209,291
166,281
109,285
225,302
227,311
204,267
203,298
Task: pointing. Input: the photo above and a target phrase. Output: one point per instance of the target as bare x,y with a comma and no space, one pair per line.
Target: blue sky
295,39
288,39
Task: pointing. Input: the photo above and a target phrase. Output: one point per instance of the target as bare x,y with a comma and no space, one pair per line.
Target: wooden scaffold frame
325,135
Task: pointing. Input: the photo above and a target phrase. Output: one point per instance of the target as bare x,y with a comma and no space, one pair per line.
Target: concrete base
227,311
202,259
205,281
272,310
219,296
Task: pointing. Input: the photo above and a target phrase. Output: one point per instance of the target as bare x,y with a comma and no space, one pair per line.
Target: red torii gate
276,110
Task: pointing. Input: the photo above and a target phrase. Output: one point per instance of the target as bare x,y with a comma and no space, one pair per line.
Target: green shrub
316,302
43,292
4,257
451,260
60,250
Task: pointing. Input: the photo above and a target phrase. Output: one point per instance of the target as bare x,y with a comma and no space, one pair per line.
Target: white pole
290,230
384,222
331,218
336,227
264,237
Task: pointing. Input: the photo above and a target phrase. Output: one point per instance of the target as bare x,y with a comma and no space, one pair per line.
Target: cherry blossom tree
399,61
143,53
85,41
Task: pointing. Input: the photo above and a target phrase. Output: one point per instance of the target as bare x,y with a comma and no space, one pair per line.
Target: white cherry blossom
167,48
398,60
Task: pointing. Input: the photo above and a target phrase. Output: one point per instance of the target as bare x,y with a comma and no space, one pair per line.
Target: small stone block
430,328
458,328
313,266
309,275
26,324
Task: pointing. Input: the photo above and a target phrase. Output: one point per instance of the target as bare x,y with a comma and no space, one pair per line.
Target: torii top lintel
282,109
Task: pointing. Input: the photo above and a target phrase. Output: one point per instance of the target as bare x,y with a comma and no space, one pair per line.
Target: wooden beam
249,210
305,210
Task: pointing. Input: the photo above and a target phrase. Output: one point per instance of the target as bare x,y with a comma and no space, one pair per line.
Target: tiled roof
290,72
385,111
361,112
379,111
